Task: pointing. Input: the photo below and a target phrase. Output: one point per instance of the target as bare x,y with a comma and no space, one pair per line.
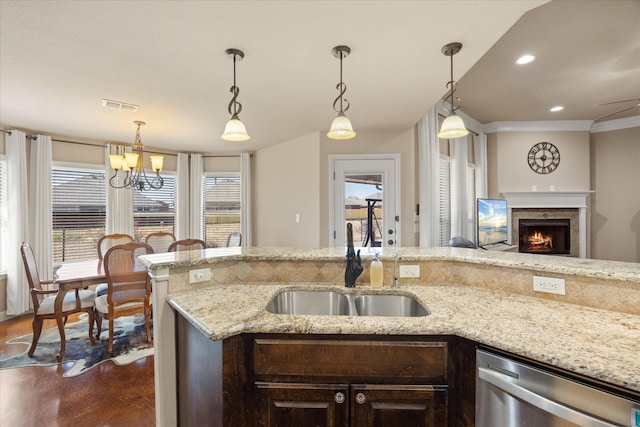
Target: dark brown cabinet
361,405
290,380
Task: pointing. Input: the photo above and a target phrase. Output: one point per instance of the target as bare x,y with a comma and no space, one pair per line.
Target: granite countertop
600,344
626,271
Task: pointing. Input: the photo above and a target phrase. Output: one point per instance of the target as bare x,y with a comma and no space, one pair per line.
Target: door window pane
363,208
155,210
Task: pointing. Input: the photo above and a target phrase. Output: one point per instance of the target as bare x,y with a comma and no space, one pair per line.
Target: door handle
547,405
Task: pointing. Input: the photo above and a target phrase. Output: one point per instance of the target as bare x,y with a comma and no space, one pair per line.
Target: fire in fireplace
544,236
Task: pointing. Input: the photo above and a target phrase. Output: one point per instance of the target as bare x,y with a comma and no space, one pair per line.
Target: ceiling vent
119,105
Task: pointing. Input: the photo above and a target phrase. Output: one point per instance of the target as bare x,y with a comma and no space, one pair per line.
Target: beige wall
286,184
615,213
509,154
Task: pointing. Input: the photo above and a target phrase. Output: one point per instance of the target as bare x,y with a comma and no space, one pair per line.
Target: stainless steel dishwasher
513,394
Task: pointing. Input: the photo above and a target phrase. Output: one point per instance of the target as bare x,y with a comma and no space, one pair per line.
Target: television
492,222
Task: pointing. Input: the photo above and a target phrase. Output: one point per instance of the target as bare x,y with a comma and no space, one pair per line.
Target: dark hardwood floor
107,395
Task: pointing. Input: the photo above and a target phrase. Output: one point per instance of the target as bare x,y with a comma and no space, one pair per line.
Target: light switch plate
201,275
409,271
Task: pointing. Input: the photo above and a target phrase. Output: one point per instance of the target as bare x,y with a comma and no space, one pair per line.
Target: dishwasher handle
502,382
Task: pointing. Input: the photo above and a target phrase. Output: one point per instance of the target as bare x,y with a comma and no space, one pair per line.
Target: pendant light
132,164
453,125
235,130
341,126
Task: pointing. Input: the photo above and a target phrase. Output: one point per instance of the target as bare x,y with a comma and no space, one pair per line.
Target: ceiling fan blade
617,112
619,102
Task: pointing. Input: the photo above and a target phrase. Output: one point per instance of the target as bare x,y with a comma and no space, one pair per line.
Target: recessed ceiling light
525,59
556,108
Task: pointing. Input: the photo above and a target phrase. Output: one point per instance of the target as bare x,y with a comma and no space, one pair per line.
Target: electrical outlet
409,271
201,275
549,285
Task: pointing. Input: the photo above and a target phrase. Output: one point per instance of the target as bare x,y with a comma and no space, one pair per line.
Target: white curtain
429,178
17,212
245,198
119,200
182,197
480,150
195,193
459,196
40,205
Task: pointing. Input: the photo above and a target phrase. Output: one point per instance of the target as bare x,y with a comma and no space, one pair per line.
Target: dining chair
128,287
187,245
234,240
80,300
160,241
104,243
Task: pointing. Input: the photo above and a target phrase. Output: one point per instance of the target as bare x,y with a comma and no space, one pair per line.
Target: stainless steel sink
389,305
333,303
309,302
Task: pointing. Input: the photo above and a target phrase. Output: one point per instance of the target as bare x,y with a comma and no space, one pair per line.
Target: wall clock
543,157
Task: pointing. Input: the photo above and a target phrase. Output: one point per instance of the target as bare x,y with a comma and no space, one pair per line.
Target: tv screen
492,221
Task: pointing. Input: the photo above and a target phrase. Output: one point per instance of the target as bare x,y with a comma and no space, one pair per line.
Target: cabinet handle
339,397
361,398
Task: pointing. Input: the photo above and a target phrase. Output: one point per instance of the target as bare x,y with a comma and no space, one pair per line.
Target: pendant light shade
453,126
341,127
235,129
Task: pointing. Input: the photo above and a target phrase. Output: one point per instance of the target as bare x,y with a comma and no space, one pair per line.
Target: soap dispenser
376,272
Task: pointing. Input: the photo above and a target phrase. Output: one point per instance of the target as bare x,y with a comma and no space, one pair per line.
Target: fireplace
545,236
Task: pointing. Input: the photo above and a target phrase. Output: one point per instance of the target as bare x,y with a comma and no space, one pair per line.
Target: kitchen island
476,295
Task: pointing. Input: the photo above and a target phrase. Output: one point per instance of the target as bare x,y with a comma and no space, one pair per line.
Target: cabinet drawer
417,360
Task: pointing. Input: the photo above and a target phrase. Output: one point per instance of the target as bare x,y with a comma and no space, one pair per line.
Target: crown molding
540,126
617,124
562,125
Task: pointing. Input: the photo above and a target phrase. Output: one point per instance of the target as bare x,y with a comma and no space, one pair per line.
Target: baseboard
4,316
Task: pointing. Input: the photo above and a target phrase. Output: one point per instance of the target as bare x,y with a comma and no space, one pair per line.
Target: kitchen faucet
354,263
395,271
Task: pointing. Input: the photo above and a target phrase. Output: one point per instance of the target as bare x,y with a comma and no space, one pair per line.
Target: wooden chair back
160,241
187,245
33,277
109,240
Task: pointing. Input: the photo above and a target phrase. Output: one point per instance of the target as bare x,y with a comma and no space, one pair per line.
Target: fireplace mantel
553,200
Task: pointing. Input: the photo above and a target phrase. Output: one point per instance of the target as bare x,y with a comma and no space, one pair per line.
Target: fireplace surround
551,205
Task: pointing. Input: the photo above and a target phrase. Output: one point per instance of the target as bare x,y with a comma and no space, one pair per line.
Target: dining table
70,276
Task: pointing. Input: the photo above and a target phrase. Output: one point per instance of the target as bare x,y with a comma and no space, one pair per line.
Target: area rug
129,345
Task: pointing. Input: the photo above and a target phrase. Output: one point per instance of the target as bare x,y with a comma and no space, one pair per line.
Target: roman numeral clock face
543,157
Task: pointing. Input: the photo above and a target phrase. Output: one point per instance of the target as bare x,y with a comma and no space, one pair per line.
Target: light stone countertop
600,344
626,271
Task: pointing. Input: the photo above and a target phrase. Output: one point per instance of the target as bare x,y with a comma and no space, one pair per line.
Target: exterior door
365,192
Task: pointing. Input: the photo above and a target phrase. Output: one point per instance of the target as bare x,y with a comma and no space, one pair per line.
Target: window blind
445,201
3,213
78,199
155,210
221,207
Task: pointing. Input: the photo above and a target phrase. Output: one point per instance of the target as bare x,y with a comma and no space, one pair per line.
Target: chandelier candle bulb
156,163
116,161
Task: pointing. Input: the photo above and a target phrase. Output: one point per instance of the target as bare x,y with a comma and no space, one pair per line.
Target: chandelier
453,125
235,129
341,126
132,165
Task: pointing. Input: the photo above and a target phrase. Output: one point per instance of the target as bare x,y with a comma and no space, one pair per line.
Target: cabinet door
398,405
309,405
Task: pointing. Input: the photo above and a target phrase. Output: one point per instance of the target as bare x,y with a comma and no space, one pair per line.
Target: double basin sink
333,303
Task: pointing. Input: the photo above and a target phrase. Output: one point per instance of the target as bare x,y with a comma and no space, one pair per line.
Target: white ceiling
59,59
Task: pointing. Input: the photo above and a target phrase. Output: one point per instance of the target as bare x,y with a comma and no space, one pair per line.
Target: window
221,207
78,198
155,210
445,200
3,213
